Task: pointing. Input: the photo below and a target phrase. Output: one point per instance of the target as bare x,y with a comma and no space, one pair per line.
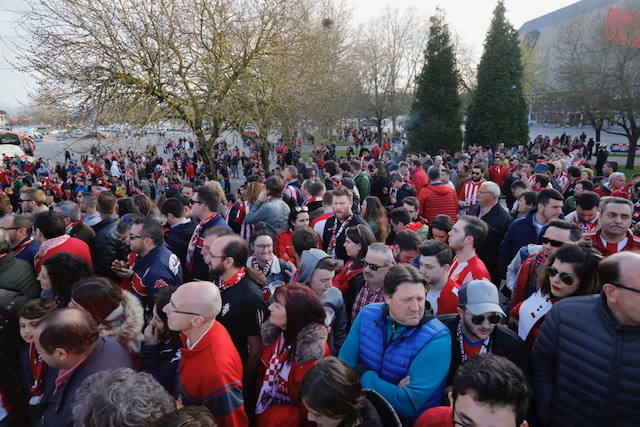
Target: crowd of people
485,287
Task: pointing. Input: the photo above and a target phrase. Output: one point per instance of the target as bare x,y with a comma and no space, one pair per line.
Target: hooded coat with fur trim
311,345
127,322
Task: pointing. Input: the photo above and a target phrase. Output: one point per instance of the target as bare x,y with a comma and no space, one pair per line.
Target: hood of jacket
127,326
310,342
308,262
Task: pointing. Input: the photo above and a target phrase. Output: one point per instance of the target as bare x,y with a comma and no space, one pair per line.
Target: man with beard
442,292
476,328
614,234
464,238
243,307
468,195
335,228
557,233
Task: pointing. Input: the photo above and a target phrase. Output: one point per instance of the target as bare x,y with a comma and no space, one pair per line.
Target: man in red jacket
210,370
49,230
442,292
437,198
418,176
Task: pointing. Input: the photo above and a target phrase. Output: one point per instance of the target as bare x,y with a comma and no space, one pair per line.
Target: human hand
151,334
124,273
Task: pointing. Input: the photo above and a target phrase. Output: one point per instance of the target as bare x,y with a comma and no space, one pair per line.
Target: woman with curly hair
59,274
5,204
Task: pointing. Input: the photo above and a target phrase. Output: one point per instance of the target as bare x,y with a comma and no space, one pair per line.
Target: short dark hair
541,179
519,184
407,240
574,171
585,260
304,238
440,250
274,186
151,229
530,197
441,222
587,185
494,380
327,263
316,188
433,174
50,224
412,201
574,230
209,197
613,165
72,335
588,200
22,221
107,203
401,273
548,194
237,249
173,206
476,228
355,164
399,216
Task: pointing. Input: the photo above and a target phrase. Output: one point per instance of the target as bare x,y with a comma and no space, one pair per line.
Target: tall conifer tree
498,110
435,113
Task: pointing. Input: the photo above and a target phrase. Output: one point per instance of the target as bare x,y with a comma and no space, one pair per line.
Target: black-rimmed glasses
618,285
172,307
373,267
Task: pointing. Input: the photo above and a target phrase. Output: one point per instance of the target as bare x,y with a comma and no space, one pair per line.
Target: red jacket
436,199
284,246
311,346
497,174
448,299
73,246
419,178
211,375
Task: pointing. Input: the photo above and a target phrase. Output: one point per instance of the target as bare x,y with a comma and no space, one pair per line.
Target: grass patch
306,155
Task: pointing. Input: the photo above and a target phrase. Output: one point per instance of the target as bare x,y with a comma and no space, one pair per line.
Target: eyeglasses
565,277
265,246
193,202
618,285
494,319
135,236
301,209
172,307
9,228
554,243
373,267
22,200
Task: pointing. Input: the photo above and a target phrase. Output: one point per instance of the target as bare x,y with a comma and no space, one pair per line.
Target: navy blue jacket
521,232
57,405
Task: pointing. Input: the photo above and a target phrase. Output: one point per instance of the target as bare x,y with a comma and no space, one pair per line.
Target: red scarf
233,280
341,280
272,376
196,241
262,270
331,250
37,367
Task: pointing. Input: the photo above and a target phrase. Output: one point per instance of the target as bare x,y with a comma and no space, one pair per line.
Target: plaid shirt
366,296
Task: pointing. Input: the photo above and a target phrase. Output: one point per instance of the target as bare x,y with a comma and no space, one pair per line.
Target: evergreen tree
435,113
498,110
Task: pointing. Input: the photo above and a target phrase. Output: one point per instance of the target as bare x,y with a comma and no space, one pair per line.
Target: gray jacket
586,368
274,212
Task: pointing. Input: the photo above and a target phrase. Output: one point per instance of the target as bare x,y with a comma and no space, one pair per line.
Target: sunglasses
301,209
566,278
554,243
373,267
494,319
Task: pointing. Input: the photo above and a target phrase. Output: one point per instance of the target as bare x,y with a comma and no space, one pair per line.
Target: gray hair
121,397
382,249
606,201
89,199
616,175
5,242
492,187
68,209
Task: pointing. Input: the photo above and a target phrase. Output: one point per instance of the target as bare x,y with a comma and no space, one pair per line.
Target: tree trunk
264,154
633,143
598,133
379,123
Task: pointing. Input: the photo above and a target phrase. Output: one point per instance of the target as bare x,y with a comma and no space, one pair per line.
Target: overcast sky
470,19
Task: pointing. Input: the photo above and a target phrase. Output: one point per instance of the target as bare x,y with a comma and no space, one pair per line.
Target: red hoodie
436,199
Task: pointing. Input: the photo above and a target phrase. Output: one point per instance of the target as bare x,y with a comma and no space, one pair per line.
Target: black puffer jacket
503,342
587,366
107,246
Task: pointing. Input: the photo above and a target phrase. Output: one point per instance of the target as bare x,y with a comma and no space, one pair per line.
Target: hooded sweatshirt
332,298
438,198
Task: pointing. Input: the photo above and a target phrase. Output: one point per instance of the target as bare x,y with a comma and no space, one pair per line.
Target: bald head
70,329
619,276
199,297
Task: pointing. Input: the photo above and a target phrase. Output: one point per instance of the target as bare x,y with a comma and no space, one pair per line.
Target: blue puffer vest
392,363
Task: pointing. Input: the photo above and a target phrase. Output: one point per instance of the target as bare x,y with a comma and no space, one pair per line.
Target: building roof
580,8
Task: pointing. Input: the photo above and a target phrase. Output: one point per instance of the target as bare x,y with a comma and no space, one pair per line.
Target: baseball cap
479,297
